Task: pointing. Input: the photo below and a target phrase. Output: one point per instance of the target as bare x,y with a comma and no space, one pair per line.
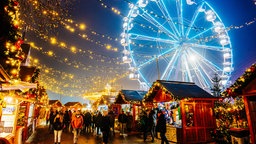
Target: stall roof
127,96
177,89
55,102
70,104
241,83
7,84
185,89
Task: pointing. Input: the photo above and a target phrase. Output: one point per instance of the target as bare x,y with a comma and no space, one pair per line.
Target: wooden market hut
196,106
104,101
133,98
73,106
245,87
55,103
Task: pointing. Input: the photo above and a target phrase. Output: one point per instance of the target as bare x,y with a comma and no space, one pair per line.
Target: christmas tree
11,53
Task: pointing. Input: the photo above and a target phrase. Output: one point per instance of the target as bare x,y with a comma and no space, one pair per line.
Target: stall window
189,111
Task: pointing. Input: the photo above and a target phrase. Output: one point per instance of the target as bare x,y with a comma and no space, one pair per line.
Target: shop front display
189,110
8,119
130,101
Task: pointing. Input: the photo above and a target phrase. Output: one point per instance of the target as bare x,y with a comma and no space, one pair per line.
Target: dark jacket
105,124
57,125
161,123
122,118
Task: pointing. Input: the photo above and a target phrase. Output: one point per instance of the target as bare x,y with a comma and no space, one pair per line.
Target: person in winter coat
66,120
122,119
129,122
51,119
161,124
98,120
58,125
105,126
148,125
77,125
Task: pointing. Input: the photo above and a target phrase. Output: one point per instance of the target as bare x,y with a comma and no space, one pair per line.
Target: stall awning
17,85
7,84
129,96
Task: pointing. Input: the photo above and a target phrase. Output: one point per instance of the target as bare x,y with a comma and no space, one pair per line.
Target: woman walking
57,127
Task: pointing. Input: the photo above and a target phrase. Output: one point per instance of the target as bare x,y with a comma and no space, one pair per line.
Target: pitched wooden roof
167,90
244,80
129,96
55,102
69,104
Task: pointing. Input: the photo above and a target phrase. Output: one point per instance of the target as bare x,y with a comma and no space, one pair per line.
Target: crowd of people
80,123
103,122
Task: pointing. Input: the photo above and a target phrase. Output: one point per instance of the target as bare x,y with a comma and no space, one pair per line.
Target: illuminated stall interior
243,89
190,110
129,100
12,94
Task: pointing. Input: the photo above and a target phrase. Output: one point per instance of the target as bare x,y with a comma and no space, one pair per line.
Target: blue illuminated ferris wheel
176,40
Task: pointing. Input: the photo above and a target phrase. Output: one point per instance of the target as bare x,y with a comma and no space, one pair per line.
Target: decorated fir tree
216,89
11,54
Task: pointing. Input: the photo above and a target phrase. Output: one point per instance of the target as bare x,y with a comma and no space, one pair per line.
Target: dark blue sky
106,22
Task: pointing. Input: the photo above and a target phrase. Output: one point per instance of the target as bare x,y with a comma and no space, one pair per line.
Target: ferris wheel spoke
206,61
187,70
208,47
201,78
180,16
193,19
154,22
168,70
149,38
201,33
167,16
154,58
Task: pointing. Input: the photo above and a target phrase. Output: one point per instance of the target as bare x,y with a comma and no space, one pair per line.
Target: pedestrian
66,120
52,116
105,126
122,119
77,125
152,123
161,124
129,122
112,122
98,120
87,122
58,126
148,125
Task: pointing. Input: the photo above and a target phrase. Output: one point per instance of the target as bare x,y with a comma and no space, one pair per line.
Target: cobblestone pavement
42,136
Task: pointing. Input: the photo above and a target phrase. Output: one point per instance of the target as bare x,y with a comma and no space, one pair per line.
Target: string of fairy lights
71,26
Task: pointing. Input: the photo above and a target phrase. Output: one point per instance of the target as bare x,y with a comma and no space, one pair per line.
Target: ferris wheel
176,40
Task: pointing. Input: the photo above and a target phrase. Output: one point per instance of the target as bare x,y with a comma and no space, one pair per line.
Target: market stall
73,106
245,88
129,101
189,109
11,96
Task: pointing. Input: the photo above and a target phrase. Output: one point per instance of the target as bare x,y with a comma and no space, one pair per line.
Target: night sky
98,64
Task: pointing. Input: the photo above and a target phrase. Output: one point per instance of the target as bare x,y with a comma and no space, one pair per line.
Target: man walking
77,125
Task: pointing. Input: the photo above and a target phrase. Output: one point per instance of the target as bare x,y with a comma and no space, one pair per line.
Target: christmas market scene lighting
180,55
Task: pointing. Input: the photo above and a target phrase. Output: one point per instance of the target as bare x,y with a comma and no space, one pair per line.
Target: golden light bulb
82,26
